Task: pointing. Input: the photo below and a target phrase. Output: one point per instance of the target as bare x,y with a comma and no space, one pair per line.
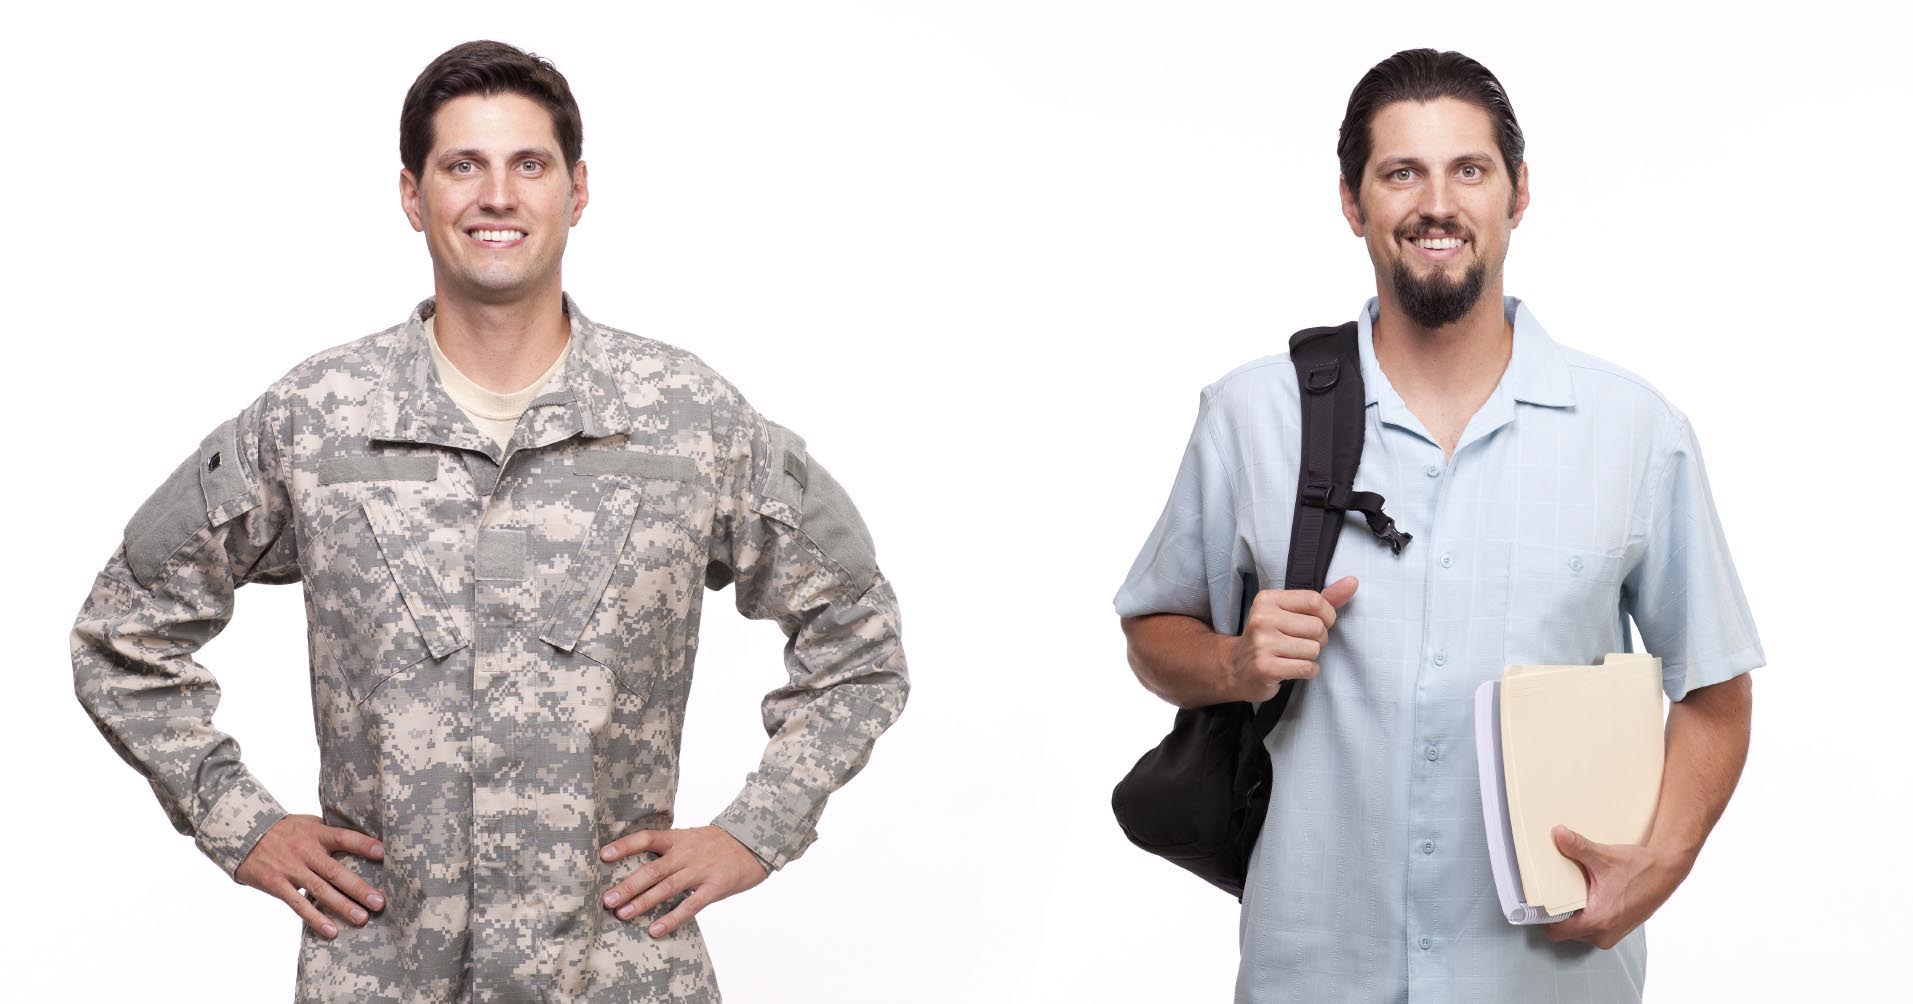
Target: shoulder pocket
796,490
210,488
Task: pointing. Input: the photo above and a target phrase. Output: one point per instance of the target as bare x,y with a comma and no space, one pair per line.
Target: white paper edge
1494,810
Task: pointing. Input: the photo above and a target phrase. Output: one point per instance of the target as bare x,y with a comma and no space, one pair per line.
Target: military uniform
501,643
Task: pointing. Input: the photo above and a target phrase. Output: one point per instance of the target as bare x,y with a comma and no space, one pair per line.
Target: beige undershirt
495,414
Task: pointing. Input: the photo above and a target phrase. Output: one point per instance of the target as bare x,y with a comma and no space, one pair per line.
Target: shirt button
1432,470
1441,658
1428,847
1574,563
1426,942
1447,561
1432,754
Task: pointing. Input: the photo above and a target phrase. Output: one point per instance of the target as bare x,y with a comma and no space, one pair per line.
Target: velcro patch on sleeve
209,488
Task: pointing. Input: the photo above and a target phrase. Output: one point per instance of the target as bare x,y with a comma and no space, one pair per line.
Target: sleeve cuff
1682,680
238,818
767,829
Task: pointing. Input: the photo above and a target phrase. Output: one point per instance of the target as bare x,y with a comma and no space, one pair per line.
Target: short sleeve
1188,565
1683,593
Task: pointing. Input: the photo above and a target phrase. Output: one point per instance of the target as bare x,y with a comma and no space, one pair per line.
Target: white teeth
498,235
1439,243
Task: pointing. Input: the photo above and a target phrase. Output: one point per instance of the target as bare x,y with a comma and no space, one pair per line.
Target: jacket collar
411,404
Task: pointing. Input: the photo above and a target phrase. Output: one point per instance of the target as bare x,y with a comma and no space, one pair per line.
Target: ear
1351,209
580,192
408,198
1520,196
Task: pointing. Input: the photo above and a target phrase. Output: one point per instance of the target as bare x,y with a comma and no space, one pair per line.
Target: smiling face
1436,206
494,200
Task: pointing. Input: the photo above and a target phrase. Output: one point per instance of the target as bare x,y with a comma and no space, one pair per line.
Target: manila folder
1580,746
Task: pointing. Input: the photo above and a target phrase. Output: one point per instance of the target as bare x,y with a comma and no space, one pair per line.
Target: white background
982,255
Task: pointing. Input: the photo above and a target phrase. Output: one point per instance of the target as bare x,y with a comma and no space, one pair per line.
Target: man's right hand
1282,639
296,854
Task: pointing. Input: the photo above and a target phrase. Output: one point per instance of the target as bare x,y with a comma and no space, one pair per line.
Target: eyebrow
472,153
1472,156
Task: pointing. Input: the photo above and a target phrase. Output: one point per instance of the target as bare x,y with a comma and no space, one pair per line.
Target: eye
530,166
1471,172
1401,174
464,167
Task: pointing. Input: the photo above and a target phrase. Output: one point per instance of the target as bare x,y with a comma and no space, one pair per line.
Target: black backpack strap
1328,372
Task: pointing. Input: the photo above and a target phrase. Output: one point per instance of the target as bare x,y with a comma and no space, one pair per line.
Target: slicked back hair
487,68
1423,75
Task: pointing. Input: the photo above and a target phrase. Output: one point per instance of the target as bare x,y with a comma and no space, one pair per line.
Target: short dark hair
487,68
1422,75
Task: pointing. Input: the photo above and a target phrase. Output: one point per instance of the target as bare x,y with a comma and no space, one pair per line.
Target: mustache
1424,228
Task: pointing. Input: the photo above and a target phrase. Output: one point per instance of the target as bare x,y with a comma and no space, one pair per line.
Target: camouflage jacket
501,643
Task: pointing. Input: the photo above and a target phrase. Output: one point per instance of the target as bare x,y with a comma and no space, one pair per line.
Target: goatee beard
1433,302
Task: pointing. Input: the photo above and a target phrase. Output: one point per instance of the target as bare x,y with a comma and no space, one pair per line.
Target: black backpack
1199,798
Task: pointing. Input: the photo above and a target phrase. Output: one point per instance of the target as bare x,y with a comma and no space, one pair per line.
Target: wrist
1674,857
1226,678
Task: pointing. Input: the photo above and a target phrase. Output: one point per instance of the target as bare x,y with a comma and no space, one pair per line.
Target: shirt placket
1443,570
507,911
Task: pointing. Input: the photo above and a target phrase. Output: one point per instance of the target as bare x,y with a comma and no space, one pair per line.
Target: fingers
1302,601
1320,606
1278,621
672,885
306,910
634,843
1339,592
338,838
297,853
658,882
1576,926
335,902
702,865
1578,848
349,883
684,911
645,877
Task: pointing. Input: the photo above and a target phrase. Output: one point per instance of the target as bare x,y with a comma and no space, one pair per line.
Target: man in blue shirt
1551,496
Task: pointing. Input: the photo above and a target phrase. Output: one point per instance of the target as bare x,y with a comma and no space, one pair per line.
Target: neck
501,346
1444,374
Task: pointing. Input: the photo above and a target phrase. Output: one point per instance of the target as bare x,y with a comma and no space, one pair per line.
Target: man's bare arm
1182,661
1707,736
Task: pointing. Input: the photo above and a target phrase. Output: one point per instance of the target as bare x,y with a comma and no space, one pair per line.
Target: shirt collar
412,405
1537,371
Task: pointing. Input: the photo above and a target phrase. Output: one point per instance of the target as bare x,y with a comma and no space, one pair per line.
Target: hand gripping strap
1328,371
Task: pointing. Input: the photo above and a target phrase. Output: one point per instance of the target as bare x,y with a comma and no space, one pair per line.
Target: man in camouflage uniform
501,633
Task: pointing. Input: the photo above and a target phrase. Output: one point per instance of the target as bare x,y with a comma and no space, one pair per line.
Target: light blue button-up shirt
1575,499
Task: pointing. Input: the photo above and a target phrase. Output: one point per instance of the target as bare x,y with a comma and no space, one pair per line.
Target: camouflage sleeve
800,555
168,589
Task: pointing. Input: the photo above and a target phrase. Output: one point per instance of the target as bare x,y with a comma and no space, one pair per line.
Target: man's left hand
1626,884
707,861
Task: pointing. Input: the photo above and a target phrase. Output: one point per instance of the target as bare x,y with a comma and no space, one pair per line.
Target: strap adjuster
1324,495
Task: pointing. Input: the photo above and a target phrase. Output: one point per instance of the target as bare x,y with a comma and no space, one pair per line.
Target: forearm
135,676
1707,736
1179,659
849,683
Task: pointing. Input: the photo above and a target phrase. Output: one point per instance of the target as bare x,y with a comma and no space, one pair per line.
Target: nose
1437,200
497,192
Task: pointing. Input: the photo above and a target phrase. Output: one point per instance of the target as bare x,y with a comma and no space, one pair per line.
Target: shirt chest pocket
628,596
1564,604
375,605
